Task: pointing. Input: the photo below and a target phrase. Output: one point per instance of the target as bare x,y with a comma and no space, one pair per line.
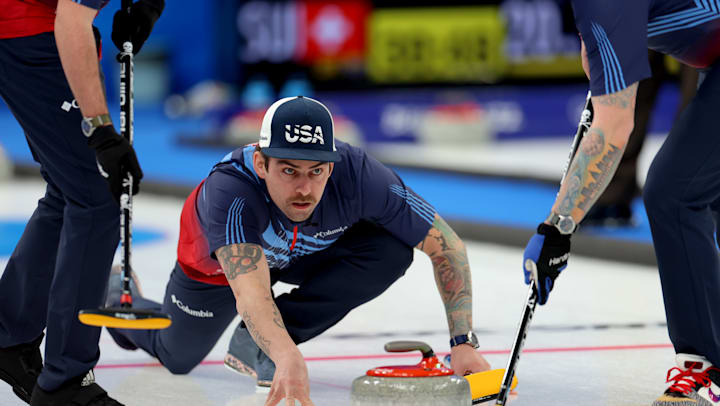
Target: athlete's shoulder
238,163
234,176
352,162
350,154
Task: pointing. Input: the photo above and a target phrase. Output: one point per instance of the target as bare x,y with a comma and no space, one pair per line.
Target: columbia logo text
304,133
323,234
558,260
188,310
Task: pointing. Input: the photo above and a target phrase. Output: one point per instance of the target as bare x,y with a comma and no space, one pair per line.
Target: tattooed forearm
238,259
443,235
597,159
601,176
590,172
277,317
623,99
592,145
452,274
263,343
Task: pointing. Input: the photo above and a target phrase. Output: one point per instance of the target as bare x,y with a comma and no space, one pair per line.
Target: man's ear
259,164
332,166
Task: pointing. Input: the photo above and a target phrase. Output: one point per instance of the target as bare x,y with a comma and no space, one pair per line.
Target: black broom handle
527,316
531,302
125,57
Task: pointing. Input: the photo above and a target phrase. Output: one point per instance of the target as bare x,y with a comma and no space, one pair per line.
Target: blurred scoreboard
359,42
436,45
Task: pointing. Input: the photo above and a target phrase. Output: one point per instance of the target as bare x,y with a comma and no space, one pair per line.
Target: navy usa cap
299,128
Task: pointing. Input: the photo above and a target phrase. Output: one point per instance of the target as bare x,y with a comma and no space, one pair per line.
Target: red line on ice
415,355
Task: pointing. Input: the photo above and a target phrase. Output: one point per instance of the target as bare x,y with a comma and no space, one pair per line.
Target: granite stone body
434,391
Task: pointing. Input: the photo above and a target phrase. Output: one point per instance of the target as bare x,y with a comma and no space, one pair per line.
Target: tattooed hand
248,275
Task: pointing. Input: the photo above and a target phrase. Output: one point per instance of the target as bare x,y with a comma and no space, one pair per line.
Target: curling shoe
696,383
245,357
20,366
81,391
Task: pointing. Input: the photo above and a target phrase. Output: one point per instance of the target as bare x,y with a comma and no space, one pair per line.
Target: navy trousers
682,195
62,261
358,267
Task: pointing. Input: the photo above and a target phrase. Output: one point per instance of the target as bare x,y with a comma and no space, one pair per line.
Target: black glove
136,25
549,251
115,157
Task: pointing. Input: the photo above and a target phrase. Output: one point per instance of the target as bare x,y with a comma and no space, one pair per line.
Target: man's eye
289,171
317,171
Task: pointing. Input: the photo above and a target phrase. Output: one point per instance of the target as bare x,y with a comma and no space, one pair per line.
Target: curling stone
428,383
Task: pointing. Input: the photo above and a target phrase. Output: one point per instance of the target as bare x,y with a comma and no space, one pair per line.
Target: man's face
295,186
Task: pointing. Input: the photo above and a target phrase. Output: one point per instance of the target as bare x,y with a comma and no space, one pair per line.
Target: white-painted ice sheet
599,341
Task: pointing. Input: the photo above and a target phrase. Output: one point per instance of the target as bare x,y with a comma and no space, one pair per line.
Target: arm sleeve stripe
233,226
611,65
603,57
410,197
234,233
401,191
617,80
422,209
406,194
704,11
241,235
711,4
686,24
421,206
420,213
228,224
675,17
